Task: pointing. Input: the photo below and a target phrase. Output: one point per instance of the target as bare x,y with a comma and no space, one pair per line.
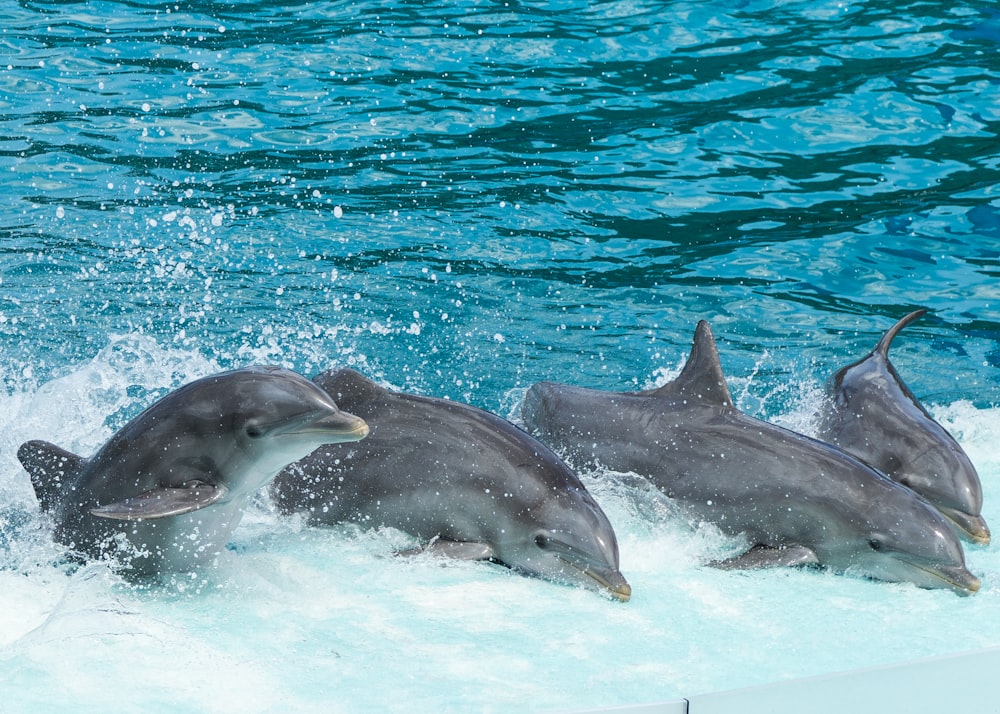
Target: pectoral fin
459,550
161,502
763,556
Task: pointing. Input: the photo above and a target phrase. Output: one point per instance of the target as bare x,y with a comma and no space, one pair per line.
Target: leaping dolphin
164,493
875,416
466,481
796,499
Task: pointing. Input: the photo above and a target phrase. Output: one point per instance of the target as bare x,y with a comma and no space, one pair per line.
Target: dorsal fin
50,468
882,347
348,386
701,379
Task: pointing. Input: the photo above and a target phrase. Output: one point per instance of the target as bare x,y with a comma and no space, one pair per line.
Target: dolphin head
277,417
943,474
905,540
568,539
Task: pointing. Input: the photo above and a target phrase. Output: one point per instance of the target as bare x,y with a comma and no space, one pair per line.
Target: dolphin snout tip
971,526
980,538
614,583
342,427
979,532
622,593
963,582
971,586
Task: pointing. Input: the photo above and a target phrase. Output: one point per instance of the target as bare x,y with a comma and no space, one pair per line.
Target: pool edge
934,684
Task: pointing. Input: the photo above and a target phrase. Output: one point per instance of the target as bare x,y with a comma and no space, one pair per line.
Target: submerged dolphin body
796,499
468,482
164,493
875,416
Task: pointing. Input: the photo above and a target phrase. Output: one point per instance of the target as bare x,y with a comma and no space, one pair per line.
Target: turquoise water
459,200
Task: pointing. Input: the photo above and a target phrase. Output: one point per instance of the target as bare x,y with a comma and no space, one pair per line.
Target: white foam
319,620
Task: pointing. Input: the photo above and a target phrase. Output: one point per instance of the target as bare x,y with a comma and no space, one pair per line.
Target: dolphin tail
50,468
882,347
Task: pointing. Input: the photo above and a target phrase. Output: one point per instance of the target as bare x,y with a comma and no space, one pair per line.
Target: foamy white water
317,620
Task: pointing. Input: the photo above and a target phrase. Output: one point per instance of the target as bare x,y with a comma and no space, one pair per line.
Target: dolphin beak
335,427
972,527
961,580
973,585
612,581
598,572
342,426
968,584
608,578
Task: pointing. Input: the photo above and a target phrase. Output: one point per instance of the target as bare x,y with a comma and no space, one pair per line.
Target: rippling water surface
461,199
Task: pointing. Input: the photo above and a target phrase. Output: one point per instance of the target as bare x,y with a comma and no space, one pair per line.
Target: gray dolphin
164,493
875,416
796,499
466,481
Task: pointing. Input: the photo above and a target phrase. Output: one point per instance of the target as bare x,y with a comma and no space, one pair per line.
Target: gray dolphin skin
164,493
874,416
796,499
467,482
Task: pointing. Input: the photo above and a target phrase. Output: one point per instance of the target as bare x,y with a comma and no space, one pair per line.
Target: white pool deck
968,682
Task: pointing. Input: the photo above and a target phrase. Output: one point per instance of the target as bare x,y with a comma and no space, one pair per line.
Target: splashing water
461,201
323,619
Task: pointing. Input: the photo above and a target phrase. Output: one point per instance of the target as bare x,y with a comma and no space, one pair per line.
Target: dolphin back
50,468
348,386
702,378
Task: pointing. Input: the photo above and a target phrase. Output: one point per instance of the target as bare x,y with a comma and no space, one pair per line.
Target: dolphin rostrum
795,499
164,493
466,481
875,416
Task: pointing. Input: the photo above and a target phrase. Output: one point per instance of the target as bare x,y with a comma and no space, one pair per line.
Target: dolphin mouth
968,525
355,430
959,579
336,427
610,579
613,581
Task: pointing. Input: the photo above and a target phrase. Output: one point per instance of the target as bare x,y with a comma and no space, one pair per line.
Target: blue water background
459,200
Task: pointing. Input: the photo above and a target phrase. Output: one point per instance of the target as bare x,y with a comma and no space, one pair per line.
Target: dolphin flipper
762,556
50,468
161,502
459,550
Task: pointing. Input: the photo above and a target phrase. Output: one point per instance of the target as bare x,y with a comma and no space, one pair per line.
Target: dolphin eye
541,541
875,545
253,431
